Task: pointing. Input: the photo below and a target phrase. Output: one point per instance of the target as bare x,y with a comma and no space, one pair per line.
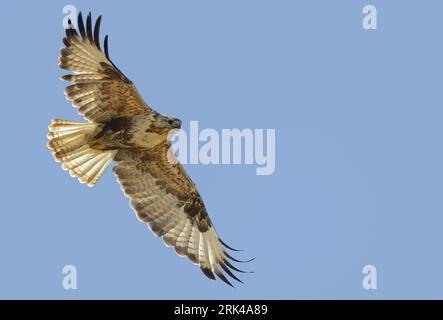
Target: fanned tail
70,144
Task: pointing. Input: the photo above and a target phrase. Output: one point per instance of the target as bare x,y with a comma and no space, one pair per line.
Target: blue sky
358,177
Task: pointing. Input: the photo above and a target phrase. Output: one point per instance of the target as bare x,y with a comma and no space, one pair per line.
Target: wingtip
81,26
106,47
223,278
229,272
237,260
229,247
89,34
207,272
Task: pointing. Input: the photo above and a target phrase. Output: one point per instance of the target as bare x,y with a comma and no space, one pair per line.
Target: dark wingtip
106,48
226,246
230,265
89,28
236,260
97,32
207,272
70,31
229,272
223,278
81,26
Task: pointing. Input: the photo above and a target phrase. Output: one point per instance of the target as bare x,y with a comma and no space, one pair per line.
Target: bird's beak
177,123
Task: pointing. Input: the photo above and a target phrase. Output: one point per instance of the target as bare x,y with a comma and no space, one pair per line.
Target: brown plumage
123,128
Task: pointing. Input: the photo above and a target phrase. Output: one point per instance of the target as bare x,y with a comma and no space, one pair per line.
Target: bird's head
165,123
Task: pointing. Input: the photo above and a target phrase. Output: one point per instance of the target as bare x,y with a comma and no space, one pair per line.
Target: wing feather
181,244
99,89
164,197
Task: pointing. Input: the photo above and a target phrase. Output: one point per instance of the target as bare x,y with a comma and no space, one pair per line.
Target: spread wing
99,89
164,197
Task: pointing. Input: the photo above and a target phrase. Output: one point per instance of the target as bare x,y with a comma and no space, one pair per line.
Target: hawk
121,127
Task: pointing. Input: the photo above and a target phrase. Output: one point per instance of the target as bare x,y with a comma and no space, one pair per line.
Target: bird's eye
170,121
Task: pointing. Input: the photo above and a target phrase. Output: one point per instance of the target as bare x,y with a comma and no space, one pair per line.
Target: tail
70,144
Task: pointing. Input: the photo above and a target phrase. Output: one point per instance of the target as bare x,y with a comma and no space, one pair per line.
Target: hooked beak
177,123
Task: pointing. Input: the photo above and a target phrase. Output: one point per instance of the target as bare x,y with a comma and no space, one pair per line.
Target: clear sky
358,179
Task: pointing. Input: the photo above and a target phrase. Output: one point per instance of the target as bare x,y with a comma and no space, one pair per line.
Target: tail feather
71,155
67,143
70,144
59,128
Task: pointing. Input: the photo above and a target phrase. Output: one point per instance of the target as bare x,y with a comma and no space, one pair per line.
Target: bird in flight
121,127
